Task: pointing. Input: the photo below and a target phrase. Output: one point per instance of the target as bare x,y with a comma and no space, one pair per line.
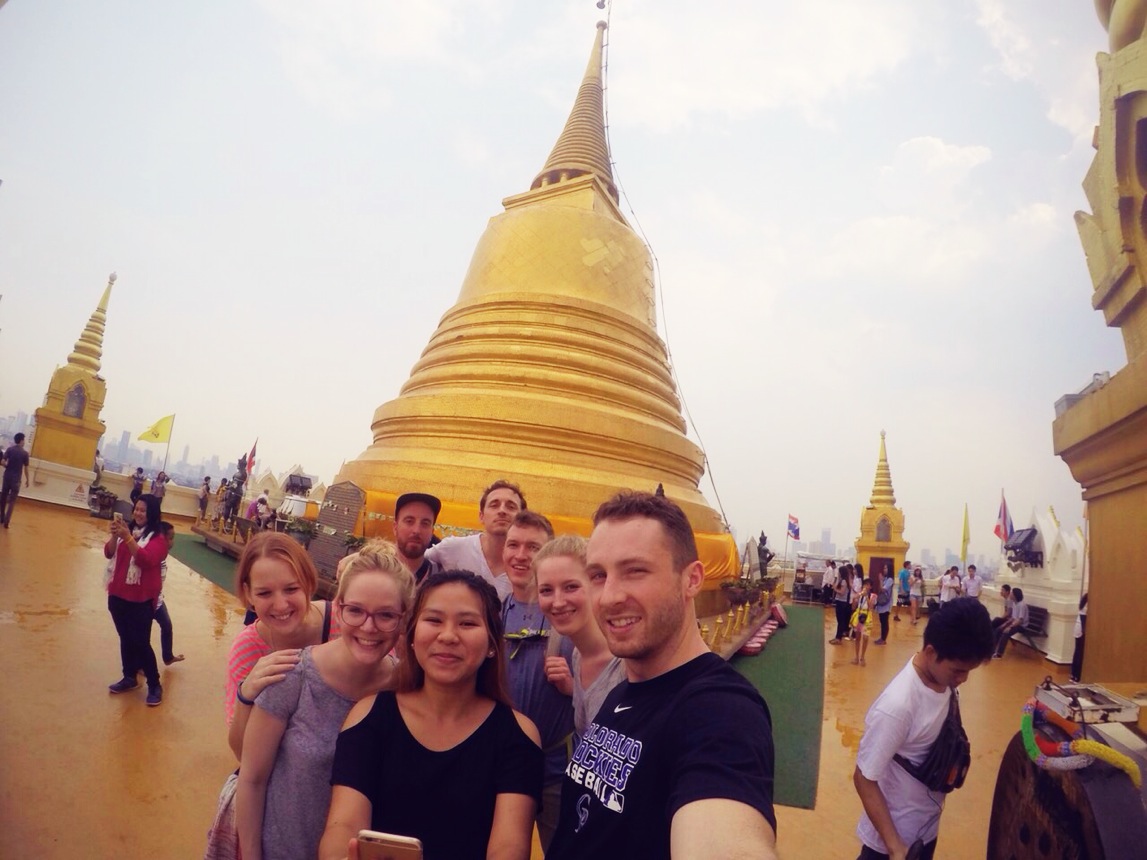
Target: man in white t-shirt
974,584
482,553
906,719
949,586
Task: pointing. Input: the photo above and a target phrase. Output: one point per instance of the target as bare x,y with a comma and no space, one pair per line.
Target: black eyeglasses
385,620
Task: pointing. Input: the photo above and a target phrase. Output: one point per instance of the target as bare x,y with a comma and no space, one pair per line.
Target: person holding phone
445,759
284,777
135,552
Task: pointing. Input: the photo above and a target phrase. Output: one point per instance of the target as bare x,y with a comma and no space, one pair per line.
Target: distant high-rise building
147,457
926,557
21,425
186,453
124,447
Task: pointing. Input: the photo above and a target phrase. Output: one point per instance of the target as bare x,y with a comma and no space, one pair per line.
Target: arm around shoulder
721,829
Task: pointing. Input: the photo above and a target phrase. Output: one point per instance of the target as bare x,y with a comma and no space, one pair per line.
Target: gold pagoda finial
89,348
882,495
582,147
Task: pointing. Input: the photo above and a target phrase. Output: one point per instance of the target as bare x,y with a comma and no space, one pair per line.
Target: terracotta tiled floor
86,773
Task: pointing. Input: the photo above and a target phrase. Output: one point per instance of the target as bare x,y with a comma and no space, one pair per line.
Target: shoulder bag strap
327,621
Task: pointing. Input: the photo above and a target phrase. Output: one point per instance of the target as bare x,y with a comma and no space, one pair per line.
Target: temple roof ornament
582,147
882,495
89,348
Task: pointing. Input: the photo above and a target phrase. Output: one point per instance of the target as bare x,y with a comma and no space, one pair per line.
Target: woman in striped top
277,578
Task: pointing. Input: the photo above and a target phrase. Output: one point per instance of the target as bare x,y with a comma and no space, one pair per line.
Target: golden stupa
68,425
881,540
548,371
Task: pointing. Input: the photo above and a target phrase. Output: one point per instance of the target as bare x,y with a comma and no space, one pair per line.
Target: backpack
946,765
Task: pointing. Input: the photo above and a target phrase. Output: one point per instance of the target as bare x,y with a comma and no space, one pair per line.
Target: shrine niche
884,530
75,401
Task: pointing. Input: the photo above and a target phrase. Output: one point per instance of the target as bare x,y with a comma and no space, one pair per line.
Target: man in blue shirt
903,591
529,640
15,464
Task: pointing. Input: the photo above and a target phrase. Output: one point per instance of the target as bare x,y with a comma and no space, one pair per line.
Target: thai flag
251,460
794,528
1004,528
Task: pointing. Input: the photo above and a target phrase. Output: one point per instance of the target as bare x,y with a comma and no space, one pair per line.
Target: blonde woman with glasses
284,775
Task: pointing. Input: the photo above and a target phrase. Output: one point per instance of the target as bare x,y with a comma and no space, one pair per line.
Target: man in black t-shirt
678,761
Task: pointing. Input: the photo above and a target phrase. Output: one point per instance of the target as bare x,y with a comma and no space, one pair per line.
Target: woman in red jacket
135,551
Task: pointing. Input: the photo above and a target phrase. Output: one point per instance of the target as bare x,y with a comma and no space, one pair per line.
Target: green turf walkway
790,675
208,563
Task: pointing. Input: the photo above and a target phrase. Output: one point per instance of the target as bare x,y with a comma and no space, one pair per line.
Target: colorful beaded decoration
1068,755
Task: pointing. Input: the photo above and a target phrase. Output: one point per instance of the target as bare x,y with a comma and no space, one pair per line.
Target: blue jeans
133,624
166,634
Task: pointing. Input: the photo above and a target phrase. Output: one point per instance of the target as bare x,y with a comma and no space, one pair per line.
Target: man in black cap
414,518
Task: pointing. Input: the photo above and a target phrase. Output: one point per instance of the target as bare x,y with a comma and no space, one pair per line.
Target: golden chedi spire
548,371
89,348
882,488
582,147
68,425
881,546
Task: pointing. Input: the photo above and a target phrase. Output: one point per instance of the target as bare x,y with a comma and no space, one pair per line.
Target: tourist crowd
513,679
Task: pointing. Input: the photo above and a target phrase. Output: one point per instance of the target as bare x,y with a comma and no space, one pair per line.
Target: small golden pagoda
881,540
548,371
68,425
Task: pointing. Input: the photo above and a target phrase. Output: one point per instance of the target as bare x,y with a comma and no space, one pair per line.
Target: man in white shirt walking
905,721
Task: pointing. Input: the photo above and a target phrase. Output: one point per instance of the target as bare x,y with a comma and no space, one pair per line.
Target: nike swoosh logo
617,709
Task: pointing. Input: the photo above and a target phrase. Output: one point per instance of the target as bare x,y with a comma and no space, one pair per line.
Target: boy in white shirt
906,719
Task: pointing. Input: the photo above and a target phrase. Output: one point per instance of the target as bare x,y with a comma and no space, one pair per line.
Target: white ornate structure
1056,586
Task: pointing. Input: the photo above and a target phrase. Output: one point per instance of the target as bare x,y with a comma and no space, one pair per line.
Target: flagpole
168,450
784,570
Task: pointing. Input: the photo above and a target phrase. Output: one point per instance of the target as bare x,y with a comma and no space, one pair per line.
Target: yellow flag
964,539
160,431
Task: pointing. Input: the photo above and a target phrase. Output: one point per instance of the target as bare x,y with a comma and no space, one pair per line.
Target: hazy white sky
862,214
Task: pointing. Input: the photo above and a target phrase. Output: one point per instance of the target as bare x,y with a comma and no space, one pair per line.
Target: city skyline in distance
840,253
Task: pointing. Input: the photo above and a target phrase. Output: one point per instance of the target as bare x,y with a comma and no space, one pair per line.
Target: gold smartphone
118,517
373,845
